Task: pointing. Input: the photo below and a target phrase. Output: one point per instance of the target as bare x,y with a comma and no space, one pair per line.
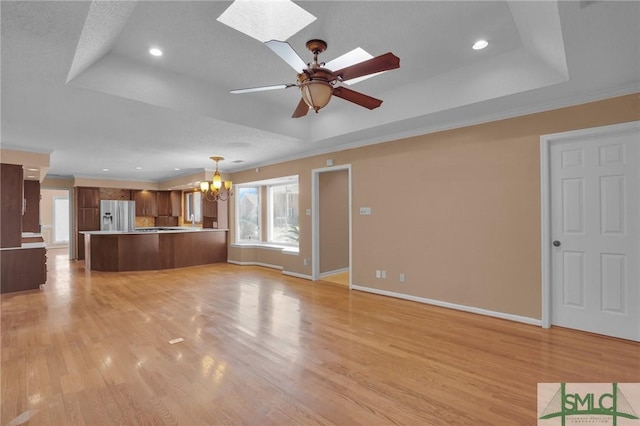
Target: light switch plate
365,211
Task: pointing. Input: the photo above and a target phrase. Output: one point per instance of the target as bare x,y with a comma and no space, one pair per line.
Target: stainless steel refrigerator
117,215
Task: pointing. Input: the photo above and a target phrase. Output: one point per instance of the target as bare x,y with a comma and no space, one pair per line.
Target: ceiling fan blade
301,110
385,62
262,88
286,52
357,97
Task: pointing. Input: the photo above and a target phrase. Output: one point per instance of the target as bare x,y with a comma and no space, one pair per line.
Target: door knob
556,243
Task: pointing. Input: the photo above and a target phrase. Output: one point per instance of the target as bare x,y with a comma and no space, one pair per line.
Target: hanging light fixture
315,85
316,91
214,191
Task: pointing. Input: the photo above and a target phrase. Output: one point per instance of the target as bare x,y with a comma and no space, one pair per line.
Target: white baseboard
336,271
267,265
465,308
297,275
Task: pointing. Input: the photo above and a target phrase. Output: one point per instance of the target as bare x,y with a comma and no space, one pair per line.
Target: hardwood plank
261,348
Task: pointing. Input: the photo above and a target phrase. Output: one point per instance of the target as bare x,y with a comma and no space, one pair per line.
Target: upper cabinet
146,203
214,214
163,203
87,215
31,216
88,197
169,203
11,206
176,203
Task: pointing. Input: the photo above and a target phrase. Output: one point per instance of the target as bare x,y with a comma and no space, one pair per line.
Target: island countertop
163,229
145,249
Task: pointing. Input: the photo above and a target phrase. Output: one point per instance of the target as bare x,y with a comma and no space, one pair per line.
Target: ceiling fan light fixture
316,93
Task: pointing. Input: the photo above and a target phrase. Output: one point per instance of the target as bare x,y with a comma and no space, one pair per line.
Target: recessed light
480,44
155,51
176,168
138,168
105,170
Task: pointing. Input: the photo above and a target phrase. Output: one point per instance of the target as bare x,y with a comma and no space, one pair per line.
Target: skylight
266,20
355,56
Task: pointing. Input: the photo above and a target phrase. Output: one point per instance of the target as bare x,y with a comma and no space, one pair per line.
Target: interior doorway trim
315,219
71,198
545,198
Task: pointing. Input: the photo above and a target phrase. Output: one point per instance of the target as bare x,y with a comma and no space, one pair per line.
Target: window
193,207
279,210
248,214
283,214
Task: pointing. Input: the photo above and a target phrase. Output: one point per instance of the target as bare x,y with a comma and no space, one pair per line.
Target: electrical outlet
378,274
307,261
403,278
384,274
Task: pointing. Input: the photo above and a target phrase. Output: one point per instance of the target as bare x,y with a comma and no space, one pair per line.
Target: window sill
268,246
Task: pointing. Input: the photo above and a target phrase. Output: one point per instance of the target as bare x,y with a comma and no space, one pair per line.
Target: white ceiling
77,80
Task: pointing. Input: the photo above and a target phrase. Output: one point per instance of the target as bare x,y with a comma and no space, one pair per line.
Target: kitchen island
147,249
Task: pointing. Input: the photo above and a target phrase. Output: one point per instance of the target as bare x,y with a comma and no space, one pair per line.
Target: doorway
55,218
591,230
331,224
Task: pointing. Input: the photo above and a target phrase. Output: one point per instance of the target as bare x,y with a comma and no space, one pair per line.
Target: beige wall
458,211
333,218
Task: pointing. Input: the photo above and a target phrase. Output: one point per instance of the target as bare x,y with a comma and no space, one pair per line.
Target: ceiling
78,82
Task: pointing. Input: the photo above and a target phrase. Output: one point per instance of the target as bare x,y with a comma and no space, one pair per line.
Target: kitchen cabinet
176,203
31,216
163,203
88,219
22,269
168,203
146,204
88,197
87,215
214,214
11,196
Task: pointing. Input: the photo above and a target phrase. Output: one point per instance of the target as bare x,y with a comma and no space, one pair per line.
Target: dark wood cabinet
168,203
11,196
31,216
176,203
163,201
22,269
209,208
88,219
146,204
214,214
87,215
149,251
88,197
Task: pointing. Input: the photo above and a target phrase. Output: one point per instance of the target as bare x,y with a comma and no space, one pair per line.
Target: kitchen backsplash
115,194
145,221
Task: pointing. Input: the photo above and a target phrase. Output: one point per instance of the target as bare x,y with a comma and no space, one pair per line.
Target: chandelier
217,189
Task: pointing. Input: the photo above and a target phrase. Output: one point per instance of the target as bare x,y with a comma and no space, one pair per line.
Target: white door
595,215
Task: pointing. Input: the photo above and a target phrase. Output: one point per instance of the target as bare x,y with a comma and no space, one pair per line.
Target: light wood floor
341,278
261,348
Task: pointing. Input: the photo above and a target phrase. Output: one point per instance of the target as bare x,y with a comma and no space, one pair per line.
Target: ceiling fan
318,84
